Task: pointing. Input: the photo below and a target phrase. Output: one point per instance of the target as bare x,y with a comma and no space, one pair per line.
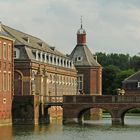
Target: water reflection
6,133
90,130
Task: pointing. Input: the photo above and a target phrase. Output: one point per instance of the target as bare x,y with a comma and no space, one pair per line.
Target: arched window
61,88
50,85
18,88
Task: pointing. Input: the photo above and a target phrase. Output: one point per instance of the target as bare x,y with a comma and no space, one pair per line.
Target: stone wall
25,109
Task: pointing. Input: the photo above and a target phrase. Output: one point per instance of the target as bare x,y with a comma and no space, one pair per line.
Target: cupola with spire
81,35
88,68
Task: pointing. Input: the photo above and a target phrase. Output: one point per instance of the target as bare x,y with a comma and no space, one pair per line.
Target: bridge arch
83,110
123,111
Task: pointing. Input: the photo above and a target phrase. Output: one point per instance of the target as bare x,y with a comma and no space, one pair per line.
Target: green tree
109,75
120,60
135,63
121,76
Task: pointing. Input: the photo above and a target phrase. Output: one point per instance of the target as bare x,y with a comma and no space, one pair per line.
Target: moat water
90,130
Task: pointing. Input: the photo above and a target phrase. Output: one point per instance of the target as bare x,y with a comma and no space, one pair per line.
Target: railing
51,99
90,99
102,99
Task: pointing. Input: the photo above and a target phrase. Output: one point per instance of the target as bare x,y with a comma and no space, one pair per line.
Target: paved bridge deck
89,99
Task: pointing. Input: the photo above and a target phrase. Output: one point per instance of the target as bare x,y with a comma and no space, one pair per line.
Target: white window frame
4,82
16,53
9,52
77,58
80,82
4,51
9,82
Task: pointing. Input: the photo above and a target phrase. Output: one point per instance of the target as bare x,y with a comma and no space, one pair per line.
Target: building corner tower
89,79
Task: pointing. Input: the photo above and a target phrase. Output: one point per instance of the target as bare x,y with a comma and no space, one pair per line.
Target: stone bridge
29,109
75,106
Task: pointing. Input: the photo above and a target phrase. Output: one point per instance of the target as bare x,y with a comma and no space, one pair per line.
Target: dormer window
40,44
16,53
26,38
79,58
52,48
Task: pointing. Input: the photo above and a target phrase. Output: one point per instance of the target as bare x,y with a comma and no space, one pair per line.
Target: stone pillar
25,109
63,63
45,59
116,118
33,82
40,90
59,61
70,114
117,121
41,58
56,60
49,58
70,120
36,55
72,65
69,64
45,83
53,59
39,84
66,63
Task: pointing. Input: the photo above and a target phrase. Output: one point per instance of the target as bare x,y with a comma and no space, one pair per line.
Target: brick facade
40,69
6,79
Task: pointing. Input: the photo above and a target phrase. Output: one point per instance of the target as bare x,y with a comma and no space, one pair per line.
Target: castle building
34,59
89,79
39,69
6,78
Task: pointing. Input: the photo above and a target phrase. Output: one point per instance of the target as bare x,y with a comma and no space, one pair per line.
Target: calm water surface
90,130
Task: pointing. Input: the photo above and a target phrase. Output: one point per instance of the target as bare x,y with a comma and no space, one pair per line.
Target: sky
112,26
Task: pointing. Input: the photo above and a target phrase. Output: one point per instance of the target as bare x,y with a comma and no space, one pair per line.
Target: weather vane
81,22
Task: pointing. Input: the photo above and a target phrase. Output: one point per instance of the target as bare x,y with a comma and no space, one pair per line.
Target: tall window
9,53
15,54
50,85
4,51
80,82
4,81
9,81
61,90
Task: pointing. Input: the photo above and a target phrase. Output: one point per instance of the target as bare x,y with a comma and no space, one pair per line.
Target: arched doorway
18,86
105,118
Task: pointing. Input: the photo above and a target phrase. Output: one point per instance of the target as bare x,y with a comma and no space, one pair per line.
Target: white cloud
112,26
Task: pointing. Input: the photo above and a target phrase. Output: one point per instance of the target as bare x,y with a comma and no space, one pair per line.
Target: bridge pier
70,120
117,121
